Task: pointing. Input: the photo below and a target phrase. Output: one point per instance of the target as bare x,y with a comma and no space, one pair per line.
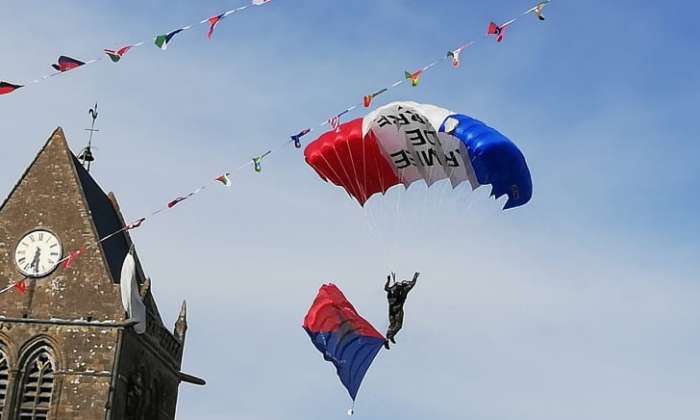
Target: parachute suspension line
335,174
397,219
428,183
354,170
364,192
383,238
368,216
446,191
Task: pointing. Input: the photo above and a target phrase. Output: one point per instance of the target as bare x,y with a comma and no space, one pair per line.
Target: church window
37,385
4,378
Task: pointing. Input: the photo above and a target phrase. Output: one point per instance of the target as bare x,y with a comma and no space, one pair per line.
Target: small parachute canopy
343,337
403,142
131,300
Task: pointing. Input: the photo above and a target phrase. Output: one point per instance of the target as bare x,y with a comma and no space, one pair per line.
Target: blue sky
580,305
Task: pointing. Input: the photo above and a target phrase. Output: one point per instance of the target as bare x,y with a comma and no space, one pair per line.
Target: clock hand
35,260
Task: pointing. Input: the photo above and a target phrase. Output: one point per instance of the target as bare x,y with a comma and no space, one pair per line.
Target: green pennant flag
163,40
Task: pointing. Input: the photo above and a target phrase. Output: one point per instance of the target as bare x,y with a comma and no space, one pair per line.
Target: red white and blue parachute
403,142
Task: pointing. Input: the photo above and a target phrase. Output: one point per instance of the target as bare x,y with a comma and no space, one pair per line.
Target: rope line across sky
161,41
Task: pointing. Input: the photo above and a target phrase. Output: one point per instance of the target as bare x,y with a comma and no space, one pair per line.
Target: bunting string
334,122
162,41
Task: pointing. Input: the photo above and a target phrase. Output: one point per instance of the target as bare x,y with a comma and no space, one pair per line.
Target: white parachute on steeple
131,299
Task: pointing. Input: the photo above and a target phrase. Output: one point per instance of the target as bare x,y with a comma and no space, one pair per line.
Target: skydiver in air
396,294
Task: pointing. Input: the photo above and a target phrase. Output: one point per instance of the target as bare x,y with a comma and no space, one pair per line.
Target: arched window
37,384
4,378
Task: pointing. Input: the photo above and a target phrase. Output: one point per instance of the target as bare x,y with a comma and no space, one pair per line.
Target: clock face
38,253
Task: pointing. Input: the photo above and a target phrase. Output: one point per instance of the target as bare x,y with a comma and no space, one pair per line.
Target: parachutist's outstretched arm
386,285
413,282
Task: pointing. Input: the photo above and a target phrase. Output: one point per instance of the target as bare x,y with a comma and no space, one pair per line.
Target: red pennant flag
6,87
224,179
136,224
72,257
66,64
498,31
21,287
213,21
175,201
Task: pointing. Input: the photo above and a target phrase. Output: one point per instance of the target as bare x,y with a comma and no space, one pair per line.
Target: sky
581,304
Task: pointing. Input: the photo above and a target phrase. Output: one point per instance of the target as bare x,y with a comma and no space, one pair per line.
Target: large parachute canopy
343,337
403,142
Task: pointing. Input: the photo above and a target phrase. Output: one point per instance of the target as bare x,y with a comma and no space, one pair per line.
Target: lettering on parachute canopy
405,117
430,157
421,141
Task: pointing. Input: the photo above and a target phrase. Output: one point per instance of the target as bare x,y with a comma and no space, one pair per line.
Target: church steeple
56,194
72,314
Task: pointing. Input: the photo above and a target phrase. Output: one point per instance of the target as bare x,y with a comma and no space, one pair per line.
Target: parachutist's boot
386,344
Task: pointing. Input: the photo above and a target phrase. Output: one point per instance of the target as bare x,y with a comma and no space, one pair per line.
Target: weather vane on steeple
86,155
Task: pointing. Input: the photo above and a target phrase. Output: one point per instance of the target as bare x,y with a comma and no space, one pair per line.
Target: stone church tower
67,347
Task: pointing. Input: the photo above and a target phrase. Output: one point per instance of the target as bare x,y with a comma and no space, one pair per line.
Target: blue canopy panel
350,352
495,159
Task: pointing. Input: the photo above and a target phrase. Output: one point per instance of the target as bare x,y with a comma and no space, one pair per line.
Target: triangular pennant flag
183,198
135,224
414,77
367,101
21,286
334,122
163,40
173,203
213,21
257,161
537,10
297,137
498,31
66,63
6,88
225,179
117,55
454,56
72,257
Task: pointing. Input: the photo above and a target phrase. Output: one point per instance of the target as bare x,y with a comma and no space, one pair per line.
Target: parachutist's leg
391,331
395,323
398,326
